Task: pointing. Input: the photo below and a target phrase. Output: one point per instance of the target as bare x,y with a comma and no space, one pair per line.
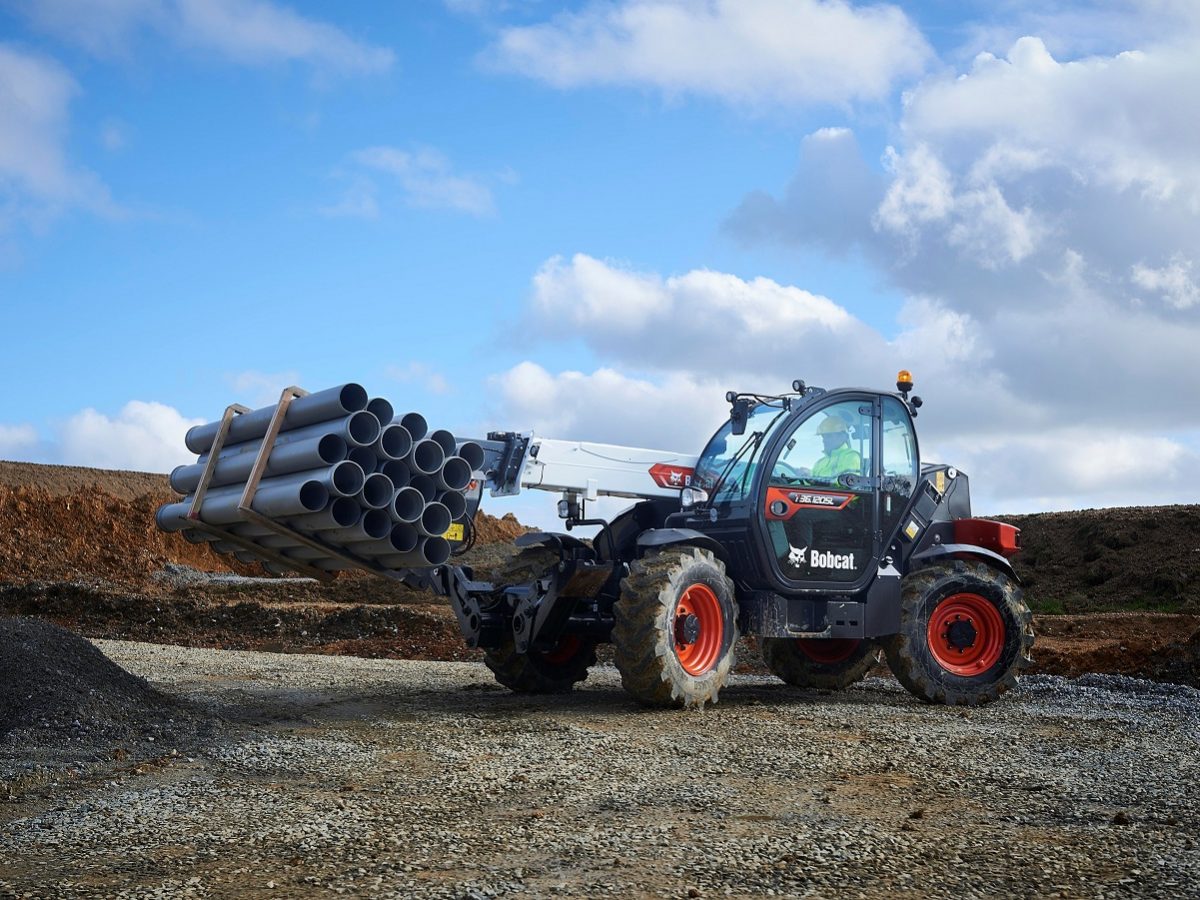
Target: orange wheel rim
828,651
966,634
698,610
568,645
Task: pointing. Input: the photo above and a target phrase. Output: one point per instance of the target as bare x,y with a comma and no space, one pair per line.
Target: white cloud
142,436
251,32
423,177
748,52
255,389
418,373
1173,281
37,181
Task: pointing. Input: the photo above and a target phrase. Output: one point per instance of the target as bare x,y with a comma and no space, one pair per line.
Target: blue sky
593,219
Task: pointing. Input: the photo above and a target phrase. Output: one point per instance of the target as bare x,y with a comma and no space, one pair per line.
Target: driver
839,457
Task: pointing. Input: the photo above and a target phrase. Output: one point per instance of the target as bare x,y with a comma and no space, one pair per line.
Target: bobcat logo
796,555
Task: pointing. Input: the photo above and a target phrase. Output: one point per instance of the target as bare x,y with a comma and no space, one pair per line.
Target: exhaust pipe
332,403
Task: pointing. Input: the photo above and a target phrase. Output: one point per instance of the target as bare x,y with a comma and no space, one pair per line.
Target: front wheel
675,627
829,663
554,671
965,633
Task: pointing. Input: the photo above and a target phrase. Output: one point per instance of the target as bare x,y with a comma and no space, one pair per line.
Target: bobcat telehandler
808,521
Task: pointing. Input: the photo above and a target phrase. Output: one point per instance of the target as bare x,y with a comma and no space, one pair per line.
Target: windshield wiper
753,440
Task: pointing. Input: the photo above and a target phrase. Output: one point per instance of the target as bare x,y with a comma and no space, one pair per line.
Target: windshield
735,456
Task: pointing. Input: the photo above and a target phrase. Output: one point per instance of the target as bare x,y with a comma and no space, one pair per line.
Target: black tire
554,671
659,666
801,663
923,661
550,672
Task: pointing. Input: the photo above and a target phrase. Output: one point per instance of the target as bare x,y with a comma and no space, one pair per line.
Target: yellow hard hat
832,425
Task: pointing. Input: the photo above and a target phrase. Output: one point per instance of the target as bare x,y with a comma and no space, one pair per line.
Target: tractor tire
830,664
675,628
554,671
965,634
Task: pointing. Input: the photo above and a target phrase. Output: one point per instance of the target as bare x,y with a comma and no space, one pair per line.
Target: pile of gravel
61,699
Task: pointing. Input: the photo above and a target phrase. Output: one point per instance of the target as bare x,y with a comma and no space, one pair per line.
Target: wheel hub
687,629
960,634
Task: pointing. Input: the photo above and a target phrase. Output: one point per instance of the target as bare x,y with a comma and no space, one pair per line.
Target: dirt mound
57,688
1110,559
60,523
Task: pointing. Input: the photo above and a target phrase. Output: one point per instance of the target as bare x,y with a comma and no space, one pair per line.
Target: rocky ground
422,779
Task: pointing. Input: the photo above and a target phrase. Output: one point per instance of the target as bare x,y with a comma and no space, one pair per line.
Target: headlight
689,497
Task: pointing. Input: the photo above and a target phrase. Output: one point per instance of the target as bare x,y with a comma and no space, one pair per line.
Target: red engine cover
995,536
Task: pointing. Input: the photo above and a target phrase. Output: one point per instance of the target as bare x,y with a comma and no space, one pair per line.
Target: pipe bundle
344,470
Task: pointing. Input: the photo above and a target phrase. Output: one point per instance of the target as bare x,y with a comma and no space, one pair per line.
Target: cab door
818,499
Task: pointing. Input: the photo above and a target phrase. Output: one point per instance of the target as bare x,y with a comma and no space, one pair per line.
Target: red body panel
795,499
995,536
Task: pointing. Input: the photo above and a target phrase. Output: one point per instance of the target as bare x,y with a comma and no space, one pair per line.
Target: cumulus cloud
1016,400
423,177
1174,282
251,32
422,375
144,436
17,441
37,180
747,52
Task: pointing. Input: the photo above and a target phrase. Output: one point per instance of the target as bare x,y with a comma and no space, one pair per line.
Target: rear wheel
675,627
829,663
553,671
965,634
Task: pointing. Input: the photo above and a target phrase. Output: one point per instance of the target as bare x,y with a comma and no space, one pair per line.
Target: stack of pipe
343,470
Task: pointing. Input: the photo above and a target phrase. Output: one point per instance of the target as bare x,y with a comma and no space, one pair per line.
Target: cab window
900,463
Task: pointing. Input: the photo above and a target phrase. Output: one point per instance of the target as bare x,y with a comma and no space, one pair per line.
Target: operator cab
810,490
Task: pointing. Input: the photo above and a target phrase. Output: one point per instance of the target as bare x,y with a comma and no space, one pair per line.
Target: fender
657,538
957,551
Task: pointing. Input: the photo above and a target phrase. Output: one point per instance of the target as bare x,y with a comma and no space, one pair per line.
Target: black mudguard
659,538
957,551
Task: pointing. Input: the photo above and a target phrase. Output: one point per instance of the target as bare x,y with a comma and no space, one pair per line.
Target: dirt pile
1111,559
56,688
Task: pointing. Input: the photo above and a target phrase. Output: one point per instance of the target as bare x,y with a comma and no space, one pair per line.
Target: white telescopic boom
604,470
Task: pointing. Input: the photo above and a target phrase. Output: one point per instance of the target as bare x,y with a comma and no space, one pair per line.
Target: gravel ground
423,779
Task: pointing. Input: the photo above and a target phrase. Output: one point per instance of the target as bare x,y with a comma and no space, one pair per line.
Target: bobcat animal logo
796,555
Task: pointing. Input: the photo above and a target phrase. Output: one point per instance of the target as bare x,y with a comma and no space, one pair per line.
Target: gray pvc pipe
342,512
381,409
401,539
312,453
431,551
377,491
396,471
407,505
246,556
426,485
332,403
416,425
289,496
365,457
196,536
426,457
394,443
455,502
454,475
434,521
360,429
445,440
472,453
375,524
